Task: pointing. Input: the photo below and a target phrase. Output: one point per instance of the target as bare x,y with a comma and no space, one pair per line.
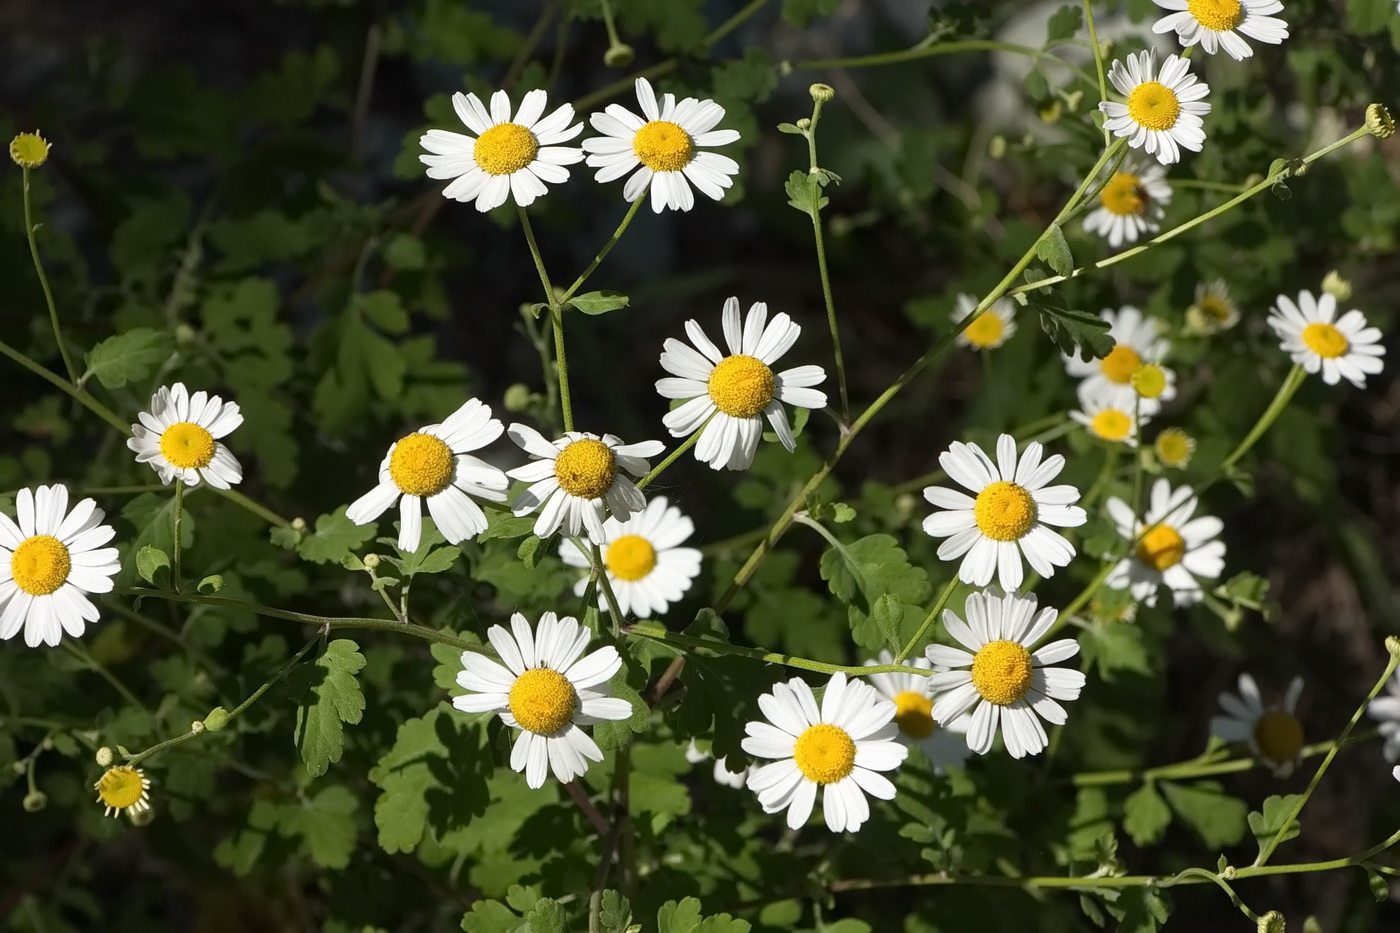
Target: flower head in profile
1212,311
505,158
1223,24
991,329
839,748
179,437
1005,685
1007,516
665,146
122,788
50,558
1386,711
579,480
945,746
1310,332
1176,550
646,565
1163,112
1136,343
434,466
1273,733
1131,203
545,686
729,396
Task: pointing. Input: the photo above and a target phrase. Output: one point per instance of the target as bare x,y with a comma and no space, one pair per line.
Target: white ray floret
644,560
1223,24
721,773
945,746
1310,332
579,480
1385,710
1163,111
1273,733
1176,550
179,437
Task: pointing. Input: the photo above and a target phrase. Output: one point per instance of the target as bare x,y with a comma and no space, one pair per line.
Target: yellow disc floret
505,148
1325,340
1279,736
986,332
586,468
1174,447
630,557
543,701
914,714
122,788
741,386
1162,547
40,565
1112,425
1154,106
1149,380
187,445
1004,511
662,146
1001,671
825,753
29,150
422,465
1120,364
1219,15
1123,195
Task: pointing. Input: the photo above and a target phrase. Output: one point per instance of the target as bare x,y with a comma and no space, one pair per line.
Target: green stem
1285,392
556,321
928,621
657,632
608,23
179,522
1195,768
831,312
29,230
1098,57
919,52
671,458
602,253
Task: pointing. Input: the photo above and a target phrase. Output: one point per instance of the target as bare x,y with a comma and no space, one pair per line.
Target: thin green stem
556,321
77,394
825,274
657,632
1207,766
919,52
671,458
179,524
602,253
929,619
1282,397
29,231
1098,57
608,23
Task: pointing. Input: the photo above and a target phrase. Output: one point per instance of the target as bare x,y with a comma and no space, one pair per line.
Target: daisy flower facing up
944,746
1386,711
996,325
546,687
1176,551
1274,734
1221,24
575,482
49,559
646,565
1006,517
1108,420
1174,448
434,465
1316,339
839,748
1136,344
1163,112
729,396
998,677
721,772
1212,311
122,788
664,147
179,437
505,158
1131,203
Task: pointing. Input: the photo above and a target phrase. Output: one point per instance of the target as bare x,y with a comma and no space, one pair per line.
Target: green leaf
1064,23
505,525
1114,647
153,516
799,13
127,357
385,309
1370,16
888,614
804,191
599,302
547,916
211,584
1054,250
1211,814
491,917
434,560
405,253
678,917
334,699
1270,822
1146,815
616,914
149,561
614,735
335,537
861,572
326,823
1074,331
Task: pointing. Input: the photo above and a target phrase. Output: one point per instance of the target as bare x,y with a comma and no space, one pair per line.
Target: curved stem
29,229
556,321
928,620
602,253
1098,57
1198,767
671,458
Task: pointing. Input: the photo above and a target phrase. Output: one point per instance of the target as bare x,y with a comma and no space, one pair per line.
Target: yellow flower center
1213,308
1004,511
29,150
1123,195
630,557
422,465
1149,379
663,146
986,331
542,701
1175,447
1111,425
741,386
914,714
1279,736
1120,364
1219,15
505,148
121,787
824,753
586,468
1154,106
1001,672
40,565
1162,547
1325,340
187,445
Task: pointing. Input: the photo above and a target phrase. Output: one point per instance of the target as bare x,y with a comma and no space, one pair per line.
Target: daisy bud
517,398
996,148
184,333
35,801
197,726
1336,286
216,720
299,525
619,55
1149,380
804,124
30,150
371,561
1392,645
142,817
1272,922
821,93
104,757
1379,122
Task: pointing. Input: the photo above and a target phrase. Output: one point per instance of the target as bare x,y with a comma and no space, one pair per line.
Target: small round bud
19,767
1149,380
821,93
197,726
34,801
804,124
1336,286
184,333
1392,644
1228,872
619,55
371,561
47,744
104,757
217,719
1379,122
518,397
299,525
996,147
29,150
142,817
1272,922
1051,111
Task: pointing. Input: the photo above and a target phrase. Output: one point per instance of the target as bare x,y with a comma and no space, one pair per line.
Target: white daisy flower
1164,108
720,772
506,158
576,481
991,330
546,687
1110,420
1132,203
645,563
1314,337
434,465
123,788
49,559
730,395
1177,552
944,746
1386,711
838,748
1396,773
1136,344
1212,311
179,436
1221,24
1007,518
998,677
664,149
1274,734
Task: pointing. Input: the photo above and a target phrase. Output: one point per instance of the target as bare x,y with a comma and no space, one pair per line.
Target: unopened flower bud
217,719
518,397
299,525
34,801
371,561
1336,286
1392,644
619,55
29,150
104,757
197,726
142,817
804,124
184,333
821,93
1272,922
996,148
1379,122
